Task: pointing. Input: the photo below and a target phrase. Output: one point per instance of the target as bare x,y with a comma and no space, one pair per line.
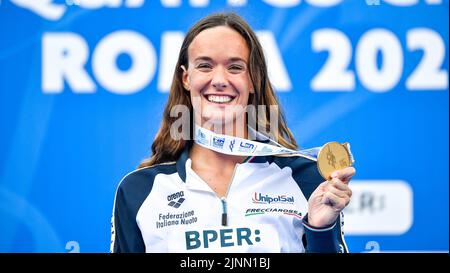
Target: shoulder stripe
113,226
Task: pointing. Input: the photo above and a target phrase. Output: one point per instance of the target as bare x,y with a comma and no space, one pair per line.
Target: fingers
344,175
336,202
338,187
322,187
341,186
336,193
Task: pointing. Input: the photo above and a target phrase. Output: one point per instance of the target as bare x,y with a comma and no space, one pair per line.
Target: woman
206,195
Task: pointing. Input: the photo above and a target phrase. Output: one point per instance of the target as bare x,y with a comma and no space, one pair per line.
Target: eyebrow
232,59
203,58
236,59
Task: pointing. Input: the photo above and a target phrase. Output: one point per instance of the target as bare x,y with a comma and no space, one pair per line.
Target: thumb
344,175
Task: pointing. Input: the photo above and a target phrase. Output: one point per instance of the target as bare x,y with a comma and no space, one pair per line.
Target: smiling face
217,75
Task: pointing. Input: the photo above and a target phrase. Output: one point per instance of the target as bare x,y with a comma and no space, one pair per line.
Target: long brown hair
165,148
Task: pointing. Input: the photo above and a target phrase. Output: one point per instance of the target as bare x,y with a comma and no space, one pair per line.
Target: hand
330,198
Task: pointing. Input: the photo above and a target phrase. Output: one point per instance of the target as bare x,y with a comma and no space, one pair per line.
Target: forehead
218,43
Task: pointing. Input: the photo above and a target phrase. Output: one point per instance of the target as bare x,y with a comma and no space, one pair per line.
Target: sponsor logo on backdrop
383,207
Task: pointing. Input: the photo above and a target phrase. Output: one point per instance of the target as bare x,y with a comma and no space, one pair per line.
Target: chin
222,120
218,118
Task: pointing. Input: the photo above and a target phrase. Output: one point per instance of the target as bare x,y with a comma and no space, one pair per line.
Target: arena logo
176,199
175,195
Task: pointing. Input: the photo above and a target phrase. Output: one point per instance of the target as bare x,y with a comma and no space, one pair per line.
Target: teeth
219,99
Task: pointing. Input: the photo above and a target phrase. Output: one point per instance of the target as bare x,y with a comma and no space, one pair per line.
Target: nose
219,80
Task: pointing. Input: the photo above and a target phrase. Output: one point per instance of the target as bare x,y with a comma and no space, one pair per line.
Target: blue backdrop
83,84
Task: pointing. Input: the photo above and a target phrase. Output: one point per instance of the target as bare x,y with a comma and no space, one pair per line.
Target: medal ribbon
232,145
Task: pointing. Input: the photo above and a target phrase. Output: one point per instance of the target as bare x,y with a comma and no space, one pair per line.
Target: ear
185,78
251,88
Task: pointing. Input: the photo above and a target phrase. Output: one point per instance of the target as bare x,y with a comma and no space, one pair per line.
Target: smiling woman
217,73
219,190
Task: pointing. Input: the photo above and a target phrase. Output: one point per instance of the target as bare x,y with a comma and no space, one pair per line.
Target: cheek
244,97
196,88
194,92
244,86
198,80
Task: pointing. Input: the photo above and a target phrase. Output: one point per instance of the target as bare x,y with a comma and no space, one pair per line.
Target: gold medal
333,156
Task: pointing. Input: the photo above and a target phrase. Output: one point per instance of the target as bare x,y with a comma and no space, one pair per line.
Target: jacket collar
184,156
181,162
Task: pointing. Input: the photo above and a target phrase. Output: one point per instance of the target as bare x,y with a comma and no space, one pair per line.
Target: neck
215,169
205,158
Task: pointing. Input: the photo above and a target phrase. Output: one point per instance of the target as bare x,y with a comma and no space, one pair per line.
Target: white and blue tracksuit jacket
168,208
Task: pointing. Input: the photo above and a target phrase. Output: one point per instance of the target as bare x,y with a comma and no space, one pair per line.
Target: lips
219,98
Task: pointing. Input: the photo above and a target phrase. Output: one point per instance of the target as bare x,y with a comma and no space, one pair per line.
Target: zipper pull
224,211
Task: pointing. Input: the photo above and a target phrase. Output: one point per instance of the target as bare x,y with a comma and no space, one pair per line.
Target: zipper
224,199
224,211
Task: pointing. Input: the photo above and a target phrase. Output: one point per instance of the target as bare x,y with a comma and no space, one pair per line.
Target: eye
236,68
204,66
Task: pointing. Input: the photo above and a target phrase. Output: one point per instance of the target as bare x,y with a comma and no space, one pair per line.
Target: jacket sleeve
125,233
324,240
